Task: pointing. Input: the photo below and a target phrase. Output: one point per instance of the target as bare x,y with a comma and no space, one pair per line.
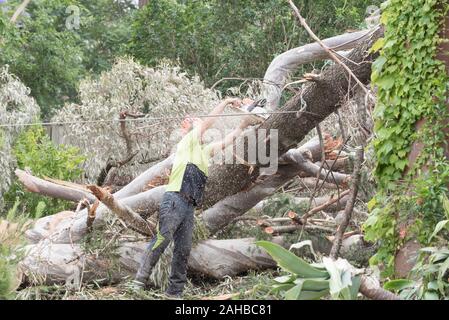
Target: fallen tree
232,191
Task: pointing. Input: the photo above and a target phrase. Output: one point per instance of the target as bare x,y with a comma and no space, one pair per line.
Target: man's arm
208,122
230,138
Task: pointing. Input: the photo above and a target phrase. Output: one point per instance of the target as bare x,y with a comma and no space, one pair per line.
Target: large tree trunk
288,62
55,263
231,190
316,101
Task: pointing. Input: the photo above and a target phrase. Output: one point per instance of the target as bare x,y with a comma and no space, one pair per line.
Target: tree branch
355,181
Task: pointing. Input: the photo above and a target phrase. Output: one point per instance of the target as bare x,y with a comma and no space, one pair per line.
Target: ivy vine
411,85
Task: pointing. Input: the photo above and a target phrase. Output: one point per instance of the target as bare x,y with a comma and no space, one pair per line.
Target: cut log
58,263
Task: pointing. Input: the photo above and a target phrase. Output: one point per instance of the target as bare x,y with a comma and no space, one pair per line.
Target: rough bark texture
315,102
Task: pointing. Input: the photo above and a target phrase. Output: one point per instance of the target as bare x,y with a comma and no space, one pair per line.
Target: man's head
189,123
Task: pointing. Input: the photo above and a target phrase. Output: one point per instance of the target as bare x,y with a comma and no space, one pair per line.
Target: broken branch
131,218
334,57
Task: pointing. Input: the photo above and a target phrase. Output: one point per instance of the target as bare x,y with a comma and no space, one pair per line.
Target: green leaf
294,292
431,295
443,268
398,284
433,285
313,284
440,225
354,289
285,279
371,204
340,277
377,45
386,82
445,205
282,287
312,295
301,244
290,262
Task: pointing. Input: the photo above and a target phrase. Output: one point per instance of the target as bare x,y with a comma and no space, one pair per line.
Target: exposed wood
91,213
277,230
294,216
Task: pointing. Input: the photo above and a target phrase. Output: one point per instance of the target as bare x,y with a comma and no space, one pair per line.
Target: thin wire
148,118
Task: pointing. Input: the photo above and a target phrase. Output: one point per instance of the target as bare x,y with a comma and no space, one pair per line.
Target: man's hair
187,122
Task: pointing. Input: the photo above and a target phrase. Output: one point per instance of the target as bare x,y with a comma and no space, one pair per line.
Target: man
184,192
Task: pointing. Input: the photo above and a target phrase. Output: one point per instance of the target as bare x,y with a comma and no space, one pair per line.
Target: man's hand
246,122
236,102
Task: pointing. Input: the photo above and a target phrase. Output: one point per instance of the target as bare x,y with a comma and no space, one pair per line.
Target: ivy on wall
412,85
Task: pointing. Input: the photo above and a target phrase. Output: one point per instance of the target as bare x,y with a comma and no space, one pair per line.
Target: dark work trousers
176,222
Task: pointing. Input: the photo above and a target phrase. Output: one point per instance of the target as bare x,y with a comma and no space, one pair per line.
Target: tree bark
288,62
131,218
53,190
58,263
315,102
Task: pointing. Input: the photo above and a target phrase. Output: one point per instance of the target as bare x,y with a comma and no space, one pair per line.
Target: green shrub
7,269
35,151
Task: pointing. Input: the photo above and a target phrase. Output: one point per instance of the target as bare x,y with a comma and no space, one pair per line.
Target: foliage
41,44
306,281
217,39
432,274
160,92
35,151
412,84
16,107
11,231
7,269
